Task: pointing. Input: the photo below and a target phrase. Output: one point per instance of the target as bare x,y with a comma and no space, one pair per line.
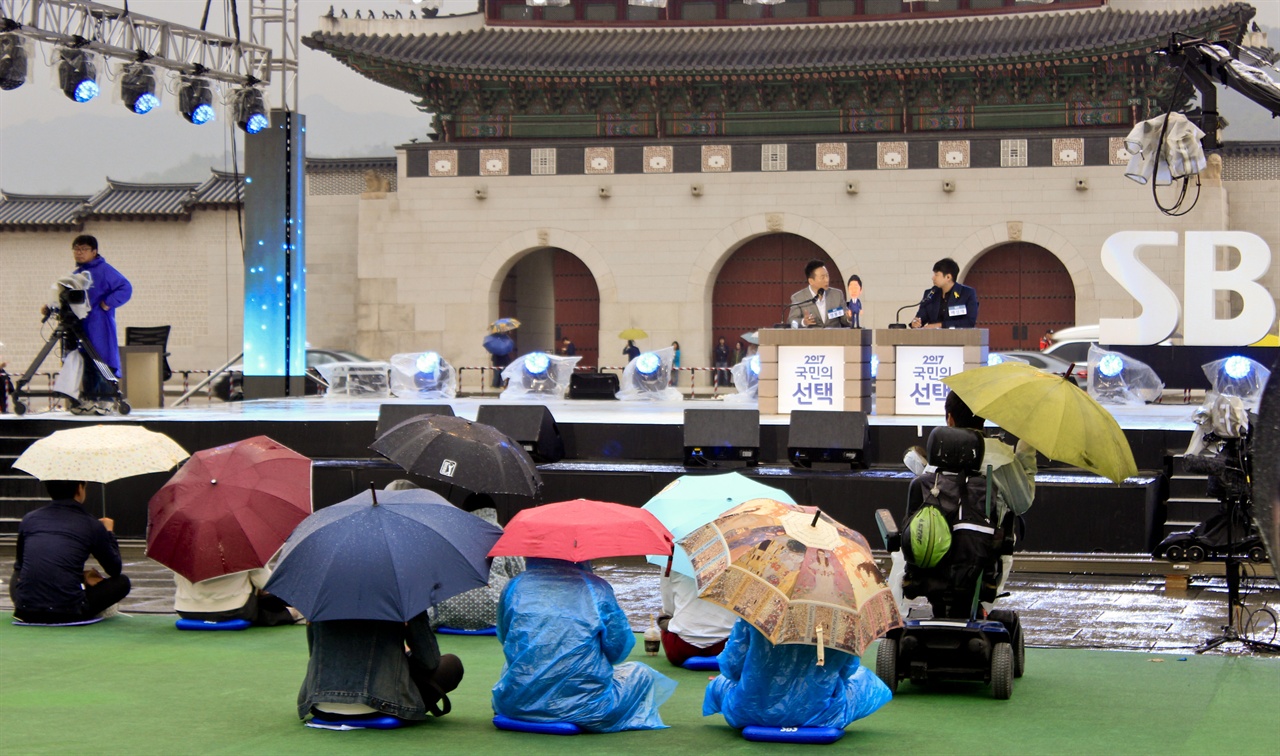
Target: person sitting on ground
562,634
477,609
51,584
764,685
690,626
363,668
239,595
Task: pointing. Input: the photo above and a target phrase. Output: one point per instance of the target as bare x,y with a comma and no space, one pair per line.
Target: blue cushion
538,728
371,722
90,621
702,664
814,735
459,631
194,624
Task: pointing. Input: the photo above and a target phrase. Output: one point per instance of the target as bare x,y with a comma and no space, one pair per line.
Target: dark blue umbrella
499,344
386,559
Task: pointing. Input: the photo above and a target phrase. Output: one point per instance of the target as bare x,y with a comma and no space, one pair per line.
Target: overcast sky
49,144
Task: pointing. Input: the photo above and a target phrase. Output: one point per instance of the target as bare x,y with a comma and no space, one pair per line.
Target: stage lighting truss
13,62
195,101
535,374
250,111
77,74
138,88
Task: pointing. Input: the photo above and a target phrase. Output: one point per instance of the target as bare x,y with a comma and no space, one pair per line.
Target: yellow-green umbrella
633,333
1050,413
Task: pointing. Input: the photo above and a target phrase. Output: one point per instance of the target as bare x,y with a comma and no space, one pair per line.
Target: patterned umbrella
794,573
504,325
100,453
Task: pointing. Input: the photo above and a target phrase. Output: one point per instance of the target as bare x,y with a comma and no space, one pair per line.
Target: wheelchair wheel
887,663
1002,671
19,408
1014,625
123,407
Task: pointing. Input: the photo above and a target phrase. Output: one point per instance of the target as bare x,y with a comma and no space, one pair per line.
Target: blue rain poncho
782,686
113,290
562,632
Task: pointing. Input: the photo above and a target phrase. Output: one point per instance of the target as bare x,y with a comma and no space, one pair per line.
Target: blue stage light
536,364
195,101
1237,367
257,122
77,76
753,364
1111,365
251,113
994,359
648,364
138,89
428,362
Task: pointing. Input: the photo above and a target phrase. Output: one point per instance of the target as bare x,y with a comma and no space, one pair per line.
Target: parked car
1047,362
229,387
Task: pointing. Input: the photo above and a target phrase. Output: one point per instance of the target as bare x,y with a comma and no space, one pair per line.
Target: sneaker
82,409
110,611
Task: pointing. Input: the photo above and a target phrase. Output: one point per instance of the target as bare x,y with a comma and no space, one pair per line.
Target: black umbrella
453,450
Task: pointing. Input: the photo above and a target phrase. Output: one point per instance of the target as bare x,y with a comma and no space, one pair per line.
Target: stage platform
628,451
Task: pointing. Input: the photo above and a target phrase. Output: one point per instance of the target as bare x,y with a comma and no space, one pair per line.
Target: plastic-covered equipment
346,379
538,375
1116,378
648,378
782,686
195,624
423,375
746,379
1238,376
562,634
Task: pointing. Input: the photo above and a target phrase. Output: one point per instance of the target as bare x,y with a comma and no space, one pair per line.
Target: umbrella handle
816,514
822,652
373,491
670,559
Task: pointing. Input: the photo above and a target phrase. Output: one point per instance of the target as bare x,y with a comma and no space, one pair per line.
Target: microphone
897,318
787,310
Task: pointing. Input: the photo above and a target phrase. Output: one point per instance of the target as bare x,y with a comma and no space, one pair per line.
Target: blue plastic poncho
782,686
112,289
562,632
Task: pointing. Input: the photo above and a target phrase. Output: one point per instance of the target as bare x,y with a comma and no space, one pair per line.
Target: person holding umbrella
563,634
500,346
50,584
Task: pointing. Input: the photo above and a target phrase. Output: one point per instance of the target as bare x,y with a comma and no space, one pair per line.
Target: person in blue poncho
782,686
562,634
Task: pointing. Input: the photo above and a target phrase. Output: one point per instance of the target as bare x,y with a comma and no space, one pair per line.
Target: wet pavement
1131,613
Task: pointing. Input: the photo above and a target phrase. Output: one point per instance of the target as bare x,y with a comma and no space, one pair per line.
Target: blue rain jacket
782,686
100,326
562,632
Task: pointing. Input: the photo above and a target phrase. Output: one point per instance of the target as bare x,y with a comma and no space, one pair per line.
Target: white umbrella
101,454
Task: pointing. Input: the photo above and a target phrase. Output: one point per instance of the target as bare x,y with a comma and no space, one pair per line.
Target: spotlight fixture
1240,376
13,62
251,113
428,376
77,76
753,370
536,374
195,101
138,88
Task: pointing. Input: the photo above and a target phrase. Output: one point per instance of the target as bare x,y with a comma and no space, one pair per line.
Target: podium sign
810,378
919,374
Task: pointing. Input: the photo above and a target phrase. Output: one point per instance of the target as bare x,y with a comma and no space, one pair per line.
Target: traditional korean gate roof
469,48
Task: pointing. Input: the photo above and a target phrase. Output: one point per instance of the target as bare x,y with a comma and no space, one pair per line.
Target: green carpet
136,685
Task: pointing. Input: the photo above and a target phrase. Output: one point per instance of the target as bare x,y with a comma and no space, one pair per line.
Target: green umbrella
691,501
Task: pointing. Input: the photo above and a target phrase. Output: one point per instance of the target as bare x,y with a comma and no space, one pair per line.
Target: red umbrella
581,530
229,509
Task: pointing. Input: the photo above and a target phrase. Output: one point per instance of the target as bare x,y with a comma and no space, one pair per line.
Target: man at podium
817,306
947,304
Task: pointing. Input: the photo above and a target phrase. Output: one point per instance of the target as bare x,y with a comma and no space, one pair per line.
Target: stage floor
1154,417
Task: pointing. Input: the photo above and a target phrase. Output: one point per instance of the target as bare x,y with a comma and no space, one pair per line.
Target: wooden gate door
1023,291
756,283
578,307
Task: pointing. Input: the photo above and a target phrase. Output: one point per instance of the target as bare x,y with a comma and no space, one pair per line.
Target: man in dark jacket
947,304
50,583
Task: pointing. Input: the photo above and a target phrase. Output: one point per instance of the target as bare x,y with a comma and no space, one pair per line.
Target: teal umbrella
692,501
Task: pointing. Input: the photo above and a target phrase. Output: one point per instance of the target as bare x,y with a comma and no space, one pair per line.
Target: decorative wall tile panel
832,156
598,160
659,159
953,154
1067,152
443,163
494,163
717,158
891,155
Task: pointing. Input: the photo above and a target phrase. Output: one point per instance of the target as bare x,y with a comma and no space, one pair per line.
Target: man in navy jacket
947,304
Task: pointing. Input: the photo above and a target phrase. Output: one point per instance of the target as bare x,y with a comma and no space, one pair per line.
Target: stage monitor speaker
391,415
713,436
531,425
593,386
827,438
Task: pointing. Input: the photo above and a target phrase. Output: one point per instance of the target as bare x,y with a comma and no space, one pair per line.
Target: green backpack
928,537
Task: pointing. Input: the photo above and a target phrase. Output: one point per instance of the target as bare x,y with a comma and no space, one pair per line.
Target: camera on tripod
71,298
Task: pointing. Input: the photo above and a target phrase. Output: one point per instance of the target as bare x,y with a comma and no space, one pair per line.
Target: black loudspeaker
391,415
827,438
721,435
593,386
531,425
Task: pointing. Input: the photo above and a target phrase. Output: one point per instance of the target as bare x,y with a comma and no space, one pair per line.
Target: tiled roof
765,49
40,210
121,198
220,189
343,164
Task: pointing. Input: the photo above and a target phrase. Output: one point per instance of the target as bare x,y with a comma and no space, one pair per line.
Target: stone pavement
1058,611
